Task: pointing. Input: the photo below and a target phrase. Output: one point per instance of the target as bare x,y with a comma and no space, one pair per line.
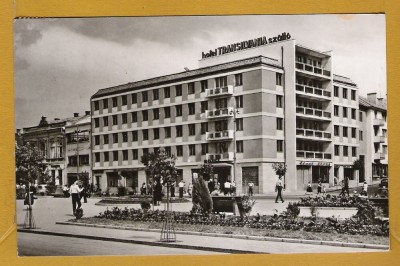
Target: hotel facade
242,110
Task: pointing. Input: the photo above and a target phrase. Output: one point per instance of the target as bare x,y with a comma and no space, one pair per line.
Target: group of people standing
157,190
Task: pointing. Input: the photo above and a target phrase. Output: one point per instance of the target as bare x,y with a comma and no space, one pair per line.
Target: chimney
87,112
382,101
43,121
57,119
371,97
76,114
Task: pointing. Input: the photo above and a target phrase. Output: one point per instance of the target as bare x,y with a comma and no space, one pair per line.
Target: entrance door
250,174
303,176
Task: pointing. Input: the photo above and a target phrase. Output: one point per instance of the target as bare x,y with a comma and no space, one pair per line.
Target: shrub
121,191
145,204
248,203
202,202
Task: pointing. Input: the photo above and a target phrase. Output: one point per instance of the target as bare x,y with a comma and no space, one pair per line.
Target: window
167,112
145,134
115,101
105,103
178,90
345,151
204,128
204,85
360,135
178,110
145,151
336,91
156,133
345,132
134,136
179,151
167,92
336,110
344,93
239,101
204,149
279,79
167,132
156,114
221,103
134,98
279,101
179,131
221,82
204,106
191,88
135,154
191,108
354,151
360,116
145,116
97,140
124,118
239,146
115,137
192,149
155,94
105,121
115,155
337,150
96,156
106,156
353,113
279,123
96,122
192,129
353,95
115,119
96,105
106,140
125,155
336,130
354,132
279,145
144,96
124,100
168,150
239,124
124,136
239,79
134,117
344,111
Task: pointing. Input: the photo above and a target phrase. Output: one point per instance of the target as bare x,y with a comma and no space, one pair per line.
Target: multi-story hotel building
244,106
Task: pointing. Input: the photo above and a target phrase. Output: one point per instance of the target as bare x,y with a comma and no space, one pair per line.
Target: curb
140,242
259,238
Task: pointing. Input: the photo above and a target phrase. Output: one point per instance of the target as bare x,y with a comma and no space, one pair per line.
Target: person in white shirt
227,187
74,190
181,186
251,185
278,188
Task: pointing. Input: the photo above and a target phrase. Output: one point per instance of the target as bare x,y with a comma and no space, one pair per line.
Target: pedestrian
309,189
150,188
250,185
346,186
278,188
319,188
157,193
227,187
181,186
172,190
83,194
365,189
143,189
66,191
211,185
74,191
233,188
190,189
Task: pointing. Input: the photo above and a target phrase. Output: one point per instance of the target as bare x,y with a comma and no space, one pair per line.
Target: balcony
379,156
379,139
313,155
219,135
219,113
313,134
220,92
313,69
378,122
219,157
313,113
313,92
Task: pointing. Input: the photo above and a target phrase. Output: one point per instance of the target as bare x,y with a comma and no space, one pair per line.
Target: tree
28,162
201,198
161,166
279,168
207,171
358,164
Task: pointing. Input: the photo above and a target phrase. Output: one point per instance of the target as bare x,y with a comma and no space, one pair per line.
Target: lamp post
234,112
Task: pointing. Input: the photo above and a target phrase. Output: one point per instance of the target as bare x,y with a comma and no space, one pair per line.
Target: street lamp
234,112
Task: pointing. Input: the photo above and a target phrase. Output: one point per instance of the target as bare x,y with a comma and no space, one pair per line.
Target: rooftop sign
245,45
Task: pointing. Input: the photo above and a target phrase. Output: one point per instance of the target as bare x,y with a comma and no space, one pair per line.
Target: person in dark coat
157,193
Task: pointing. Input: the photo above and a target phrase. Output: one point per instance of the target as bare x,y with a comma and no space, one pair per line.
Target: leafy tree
207,171
28,163
161,166
202,202
358,164
279,168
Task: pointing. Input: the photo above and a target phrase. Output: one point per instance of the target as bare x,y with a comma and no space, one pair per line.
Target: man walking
250,185
74,190
278,188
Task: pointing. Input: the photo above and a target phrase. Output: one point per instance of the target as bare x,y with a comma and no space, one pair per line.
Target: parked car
384,187
42,189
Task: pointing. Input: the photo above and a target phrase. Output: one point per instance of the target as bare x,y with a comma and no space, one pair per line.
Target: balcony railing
220,135
379,139
312,112
378,122
313,91
311,133
379,156
220,92
313,155
228,156
313,69
219,113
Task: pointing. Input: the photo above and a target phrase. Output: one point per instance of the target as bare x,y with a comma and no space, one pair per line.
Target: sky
60,63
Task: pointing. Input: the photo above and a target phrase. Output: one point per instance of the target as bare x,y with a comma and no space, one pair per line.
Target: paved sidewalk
48,211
